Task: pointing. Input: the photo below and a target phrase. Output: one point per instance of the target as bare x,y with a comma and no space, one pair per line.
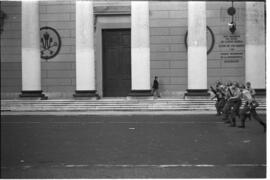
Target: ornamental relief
50,43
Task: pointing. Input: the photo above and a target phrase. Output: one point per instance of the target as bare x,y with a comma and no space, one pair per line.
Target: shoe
232,125
241,126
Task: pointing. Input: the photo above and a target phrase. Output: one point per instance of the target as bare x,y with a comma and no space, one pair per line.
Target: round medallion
210,38
231,11
50,42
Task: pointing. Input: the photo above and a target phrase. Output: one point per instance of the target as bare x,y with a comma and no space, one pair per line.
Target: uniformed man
250,89
222,100
235,101
218,95
248,94
227,106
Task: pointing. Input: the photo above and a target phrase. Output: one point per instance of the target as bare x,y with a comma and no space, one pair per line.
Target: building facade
66,49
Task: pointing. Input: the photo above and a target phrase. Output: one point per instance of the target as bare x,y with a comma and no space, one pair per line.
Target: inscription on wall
232,48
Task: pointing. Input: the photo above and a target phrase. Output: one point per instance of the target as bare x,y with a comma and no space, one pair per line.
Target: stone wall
168,57
227,59
11,70
168,26
58,73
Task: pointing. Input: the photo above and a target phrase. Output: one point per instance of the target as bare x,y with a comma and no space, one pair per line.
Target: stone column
31,62
255,68
140,50
197,49
85,59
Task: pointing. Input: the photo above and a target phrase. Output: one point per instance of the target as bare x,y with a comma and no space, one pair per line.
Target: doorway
116,54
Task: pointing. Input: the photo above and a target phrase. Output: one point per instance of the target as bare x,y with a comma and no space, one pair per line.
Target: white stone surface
197,47
31,62
255,69
85,59
140,51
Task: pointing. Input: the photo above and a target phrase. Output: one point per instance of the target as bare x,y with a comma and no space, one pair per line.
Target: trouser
252,111
220,105
156,91
227,110
216,105
235,110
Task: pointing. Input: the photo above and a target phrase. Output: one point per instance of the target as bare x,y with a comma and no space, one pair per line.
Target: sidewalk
112,113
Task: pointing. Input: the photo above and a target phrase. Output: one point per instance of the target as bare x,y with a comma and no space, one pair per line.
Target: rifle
230,91
214,91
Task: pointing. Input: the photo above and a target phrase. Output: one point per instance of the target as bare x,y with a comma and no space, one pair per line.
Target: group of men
229,100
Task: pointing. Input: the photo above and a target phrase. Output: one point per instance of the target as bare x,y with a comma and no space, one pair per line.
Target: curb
111,113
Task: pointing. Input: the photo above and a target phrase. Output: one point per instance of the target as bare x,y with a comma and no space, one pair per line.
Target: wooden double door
116,55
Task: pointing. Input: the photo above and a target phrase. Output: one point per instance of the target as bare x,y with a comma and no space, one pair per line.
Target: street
130,146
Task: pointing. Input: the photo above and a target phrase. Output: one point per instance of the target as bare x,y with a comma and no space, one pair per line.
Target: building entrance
116,62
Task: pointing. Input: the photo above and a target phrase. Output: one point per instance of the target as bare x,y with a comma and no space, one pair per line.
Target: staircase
114,105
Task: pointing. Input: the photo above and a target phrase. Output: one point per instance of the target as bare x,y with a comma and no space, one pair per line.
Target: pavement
112,113
107,113
130,146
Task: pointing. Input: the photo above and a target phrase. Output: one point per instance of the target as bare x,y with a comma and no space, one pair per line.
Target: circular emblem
50,43
210,38
231,11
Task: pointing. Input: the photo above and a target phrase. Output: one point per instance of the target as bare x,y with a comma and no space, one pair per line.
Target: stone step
114,105
115,109
116,100
104,103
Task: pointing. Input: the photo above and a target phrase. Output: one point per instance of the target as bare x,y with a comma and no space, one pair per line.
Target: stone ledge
86,94
260,92
33,95
140,93
197,93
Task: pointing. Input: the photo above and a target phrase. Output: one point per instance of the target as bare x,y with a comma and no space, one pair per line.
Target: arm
236,96
252,92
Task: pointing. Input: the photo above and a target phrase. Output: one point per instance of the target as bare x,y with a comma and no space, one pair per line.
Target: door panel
116,62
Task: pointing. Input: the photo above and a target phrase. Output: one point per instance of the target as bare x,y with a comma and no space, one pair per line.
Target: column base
140,94
33,95
197,93
86,94
260,92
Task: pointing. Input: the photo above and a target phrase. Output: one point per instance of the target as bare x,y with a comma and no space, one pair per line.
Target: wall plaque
232,48
50,43
210,39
